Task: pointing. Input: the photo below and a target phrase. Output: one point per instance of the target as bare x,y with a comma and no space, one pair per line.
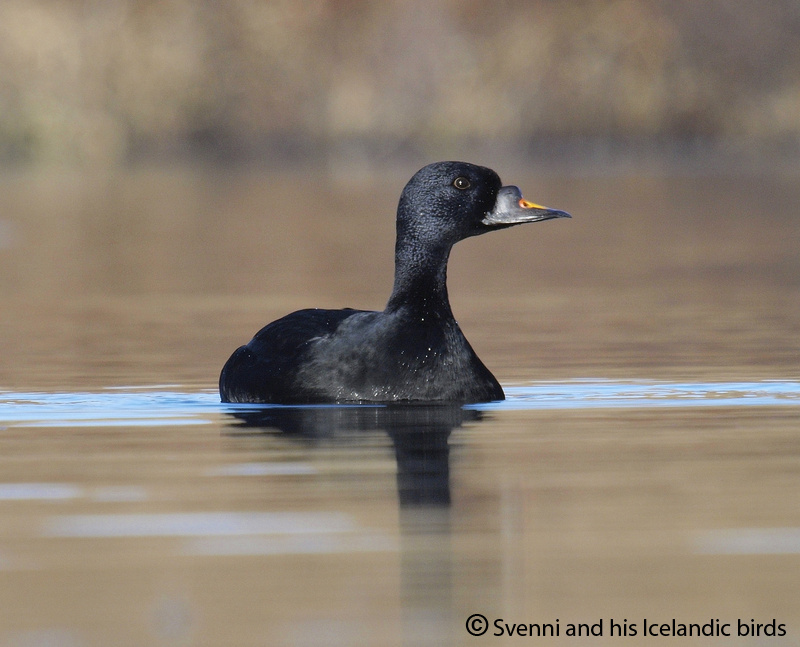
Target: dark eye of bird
461,183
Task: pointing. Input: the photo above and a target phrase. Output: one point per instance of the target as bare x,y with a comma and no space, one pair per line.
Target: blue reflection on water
158,406
596,394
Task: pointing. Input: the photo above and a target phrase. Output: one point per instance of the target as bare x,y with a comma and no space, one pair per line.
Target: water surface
645,464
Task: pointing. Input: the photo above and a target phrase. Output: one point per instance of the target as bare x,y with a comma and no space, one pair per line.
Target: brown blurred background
175,174
111,82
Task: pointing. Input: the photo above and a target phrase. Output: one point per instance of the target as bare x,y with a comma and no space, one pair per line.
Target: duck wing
265,369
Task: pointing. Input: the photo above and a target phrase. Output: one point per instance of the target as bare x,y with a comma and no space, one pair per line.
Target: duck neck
420,279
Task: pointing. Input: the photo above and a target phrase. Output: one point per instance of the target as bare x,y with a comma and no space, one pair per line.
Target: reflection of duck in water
414,349
419,434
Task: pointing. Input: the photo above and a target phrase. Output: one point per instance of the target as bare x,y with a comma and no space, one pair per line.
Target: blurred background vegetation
104,83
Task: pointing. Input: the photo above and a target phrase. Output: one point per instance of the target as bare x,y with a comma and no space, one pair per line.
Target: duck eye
461,183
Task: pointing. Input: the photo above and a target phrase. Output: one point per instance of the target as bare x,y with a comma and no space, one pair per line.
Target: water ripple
595,394
160,407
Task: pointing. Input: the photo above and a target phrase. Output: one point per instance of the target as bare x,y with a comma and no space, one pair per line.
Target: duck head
448,201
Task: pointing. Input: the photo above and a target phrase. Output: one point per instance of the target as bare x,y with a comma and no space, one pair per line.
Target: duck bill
511,208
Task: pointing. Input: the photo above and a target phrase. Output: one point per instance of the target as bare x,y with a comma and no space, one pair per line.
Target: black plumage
414,350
